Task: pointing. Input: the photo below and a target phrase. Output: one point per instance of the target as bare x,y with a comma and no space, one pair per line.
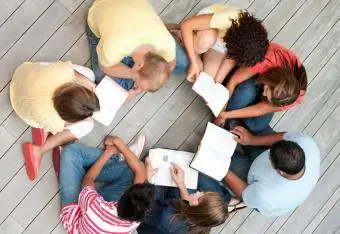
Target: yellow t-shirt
124,25
31,92
222,15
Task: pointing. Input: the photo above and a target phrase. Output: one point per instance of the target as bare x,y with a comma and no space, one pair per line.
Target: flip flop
31,164
239,206
56,160
38,136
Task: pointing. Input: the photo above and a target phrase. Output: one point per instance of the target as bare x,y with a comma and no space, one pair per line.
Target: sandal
56,160
38,136
238,206
31,164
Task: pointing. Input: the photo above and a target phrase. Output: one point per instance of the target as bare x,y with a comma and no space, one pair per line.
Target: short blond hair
156,71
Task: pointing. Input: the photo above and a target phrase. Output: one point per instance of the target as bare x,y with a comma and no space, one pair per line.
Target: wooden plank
59,229
202,4
7,8
47,219
66,36
255,222
20,186
299,22
37,198
71,5
314,33
279,16
14,125
6,140
32,40
319,218
262,8
330,223
11,226
322,88
237,220
19,22
244,4
5,104
177,10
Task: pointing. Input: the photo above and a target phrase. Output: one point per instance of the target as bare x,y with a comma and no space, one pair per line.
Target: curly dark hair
136,202
246,40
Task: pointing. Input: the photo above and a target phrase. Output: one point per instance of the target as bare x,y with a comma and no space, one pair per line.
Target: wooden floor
174,117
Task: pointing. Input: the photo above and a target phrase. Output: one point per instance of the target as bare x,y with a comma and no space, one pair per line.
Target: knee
204,40
69,154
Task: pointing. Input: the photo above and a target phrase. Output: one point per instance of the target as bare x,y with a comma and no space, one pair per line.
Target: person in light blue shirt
276,181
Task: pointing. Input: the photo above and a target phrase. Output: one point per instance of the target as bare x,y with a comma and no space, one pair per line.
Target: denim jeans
182,61
76,159
240,165
248,93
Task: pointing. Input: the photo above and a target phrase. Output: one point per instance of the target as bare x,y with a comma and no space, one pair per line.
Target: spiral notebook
111,97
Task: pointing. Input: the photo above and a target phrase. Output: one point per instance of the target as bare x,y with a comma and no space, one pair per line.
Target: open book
214,153
162,159
111,97
215,94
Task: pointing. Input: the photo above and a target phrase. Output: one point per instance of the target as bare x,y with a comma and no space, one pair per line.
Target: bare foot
37,154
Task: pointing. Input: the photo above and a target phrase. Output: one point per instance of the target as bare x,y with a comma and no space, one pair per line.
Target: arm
119,70
132,160
96,168
224,70
242,74
246,138
196,23
235,183
256,110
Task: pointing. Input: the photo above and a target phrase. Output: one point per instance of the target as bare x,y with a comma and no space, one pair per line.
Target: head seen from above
136,202
74,102
287,157
282,85
209,211
246,40
152,73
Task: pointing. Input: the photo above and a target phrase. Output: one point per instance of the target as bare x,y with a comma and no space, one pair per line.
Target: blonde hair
156,71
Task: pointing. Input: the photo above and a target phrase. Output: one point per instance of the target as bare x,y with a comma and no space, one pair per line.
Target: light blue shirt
272,194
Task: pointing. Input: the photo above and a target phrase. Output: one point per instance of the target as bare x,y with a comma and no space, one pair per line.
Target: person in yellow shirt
226,36
130,43
52,98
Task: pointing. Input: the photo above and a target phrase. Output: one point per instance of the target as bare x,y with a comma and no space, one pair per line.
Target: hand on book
219,121
193,72
133,93
150,171
177,174
245,137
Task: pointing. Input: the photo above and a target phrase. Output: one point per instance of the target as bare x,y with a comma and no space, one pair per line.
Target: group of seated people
108,190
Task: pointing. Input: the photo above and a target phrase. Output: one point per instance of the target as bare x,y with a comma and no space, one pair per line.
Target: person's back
273,194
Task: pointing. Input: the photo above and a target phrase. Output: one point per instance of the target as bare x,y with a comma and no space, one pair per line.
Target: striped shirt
93,215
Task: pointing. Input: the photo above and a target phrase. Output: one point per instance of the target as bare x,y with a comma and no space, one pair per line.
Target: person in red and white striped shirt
120,205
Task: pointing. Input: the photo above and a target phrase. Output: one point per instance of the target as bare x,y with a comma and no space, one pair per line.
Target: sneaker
137,146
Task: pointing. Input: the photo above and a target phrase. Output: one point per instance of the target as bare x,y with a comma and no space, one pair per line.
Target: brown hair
211,211
156,70
285,82
74,102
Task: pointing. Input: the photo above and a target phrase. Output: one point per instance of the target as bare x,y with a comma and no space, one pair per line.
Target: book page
211,162
111,97
220,98
204,86
219,139
162,159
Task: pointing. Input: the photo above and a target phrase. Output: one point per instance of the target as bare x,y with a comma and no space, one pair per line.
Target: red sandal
38,136
31,164
56,160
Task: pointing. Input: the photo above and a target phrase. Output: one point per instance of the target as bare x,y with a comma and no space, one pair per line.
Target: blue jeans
182,61
248,93
240,165
76,159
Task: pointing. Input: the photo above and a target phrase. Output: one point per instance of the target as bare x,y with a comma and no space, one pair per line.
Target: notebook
111,97
214,153
162,159
215,94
